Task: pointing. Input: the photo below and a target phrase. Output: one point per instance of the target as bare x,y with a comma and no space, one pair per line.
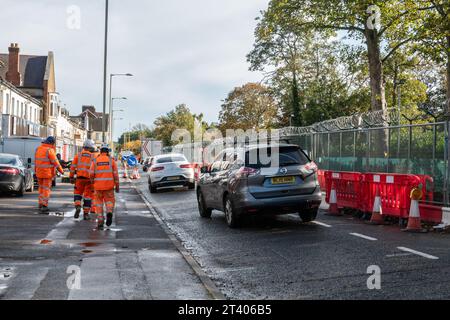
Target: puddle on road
90,244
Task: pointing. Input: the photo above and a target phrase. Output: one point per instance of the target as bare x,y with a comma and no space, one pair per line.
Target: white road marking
396,255
322,224
363,236
425,255
62,229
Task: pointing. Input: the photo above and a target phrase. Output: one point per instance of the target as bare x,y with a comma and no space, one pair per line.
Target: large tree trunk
298,119
377,88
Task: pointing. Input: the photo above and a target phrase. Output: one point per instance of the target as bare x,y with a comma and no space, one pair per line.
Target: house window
7,104
13,106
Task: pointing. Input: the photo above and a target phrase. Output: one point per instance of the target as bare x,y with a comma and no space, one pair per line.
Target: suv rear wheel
231,214
308,215
203,210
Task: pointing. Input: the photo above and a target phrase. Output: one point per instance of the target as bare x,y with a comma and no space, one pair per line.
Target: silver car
170,171
239,183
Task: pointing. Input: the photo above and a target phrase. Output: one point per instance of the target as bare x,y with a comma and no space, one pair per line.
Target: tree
138,132
435,40
248,107
180,118
359,19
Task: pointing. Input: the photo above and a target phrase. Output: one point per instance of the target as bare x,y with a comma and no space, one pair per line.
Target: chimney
13,74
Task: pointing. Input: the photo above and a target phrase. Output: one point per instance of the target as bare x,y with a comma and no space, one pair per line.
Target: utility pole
105,71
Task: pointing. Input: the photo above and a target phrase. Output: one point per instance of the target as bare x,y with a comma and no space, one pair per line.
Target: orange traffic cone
377,212
414,221
333,210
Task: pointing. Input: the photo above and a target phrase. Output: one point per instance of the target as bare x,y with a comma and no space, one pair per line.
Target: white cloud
179,51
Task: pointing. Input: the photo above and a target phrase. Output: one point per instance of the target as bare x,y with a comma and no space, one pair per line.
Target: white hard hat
104,146
88,143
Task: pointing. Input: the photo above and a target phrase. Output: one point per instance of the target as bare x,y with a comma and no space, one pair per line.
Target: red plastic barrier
322,180
347,186
429,213
394,190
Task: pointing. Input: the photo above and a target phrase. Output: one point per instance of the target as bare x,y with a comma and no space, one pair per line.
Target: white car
170,171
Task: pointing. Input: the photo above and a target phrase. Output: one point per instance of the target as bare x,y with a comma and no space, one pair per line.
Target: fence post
447,161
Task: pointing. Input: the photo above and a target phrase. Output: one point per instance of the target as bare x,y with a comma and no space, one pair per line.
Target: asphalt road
282,258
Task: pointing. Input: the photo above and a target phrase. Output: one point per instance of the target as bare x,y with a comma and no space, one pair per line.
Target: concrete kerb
212,289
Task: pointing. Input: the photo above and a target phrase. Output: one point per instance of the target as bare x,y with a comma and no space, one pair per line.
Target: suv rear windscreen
287,156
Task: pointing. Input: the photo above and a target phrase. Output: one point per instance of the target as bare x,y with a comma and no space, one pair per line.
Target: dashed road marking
322,224
425,255
363,236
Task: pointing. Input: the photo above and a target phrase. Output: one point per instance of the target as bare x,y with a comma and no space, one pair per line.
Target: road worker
46,165
96,154
80,177
105,177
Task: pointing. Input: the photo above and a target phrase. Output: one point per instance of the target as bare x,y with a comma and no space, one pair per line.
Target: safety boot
77,212
109,219
44,210
86,216
100,223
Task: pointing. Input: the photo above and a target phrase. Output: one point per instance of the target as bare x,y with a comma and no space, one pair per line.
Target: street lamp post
111,136
111,99
105,71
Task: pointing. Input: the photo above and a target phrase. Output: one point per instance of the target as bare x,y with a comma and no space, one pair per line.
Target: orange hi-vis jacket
104,173
46,163
81,164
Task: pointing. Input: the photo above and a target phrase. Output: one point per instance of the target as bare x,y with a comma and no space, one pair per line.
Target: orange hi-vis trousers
83,192
106,198
45,188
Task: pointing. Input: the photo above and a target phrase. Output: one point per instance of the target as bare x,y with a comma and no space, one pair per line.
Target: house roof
33,69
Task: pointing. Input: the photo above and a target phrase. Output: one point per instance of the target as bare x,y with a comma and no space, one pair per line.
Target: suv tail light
186,166
155,169
12,171
247,172
312,166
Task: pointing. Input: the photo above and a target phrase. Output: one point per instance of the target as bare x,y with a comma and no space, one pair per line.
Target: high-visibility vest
104,173
81,164
46,162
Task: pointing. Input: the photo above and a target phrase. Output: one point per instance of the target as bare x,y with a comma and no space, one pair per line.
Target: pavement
283,258
57,258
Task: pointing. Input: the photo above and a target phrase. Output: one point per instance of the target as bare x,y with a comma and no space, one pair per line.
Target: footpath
57,257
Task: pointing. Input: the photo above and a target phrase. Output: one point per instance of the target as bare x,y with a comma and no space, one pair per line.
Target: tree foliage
248,107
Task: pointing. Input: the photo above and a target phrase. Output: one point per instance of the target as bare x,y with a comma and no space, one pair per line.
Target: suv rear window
170,159
287,156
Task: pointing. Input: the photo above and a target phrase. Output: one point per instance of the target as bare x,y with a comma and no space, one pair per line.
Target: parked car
15,177
147,164
239,183
169,171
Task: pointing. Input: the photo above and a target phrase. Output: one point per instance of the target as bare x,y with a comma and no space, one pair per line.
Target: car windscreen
12,161
285,156
170,159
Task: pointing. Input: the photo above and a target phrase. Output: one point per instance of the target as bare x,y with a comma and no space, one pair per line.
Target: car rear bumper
11,184
176,183
247,204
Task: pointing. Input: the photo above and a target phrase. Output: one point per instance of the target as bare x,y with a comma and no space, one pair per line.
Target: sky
179,51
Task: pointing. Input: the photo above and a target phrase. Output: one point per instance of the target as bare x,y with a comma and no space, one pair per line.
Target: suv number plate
283,180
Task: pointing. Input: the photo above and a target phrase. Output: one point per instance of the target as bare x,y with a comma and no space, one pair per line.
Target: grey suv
239,183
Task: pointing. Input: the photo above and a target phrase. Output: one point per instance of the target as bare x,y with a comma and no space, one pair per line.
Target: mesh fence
408,149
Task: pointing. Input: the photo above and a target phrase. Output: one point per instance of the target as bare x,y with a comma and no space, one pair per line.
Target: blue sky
189,52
